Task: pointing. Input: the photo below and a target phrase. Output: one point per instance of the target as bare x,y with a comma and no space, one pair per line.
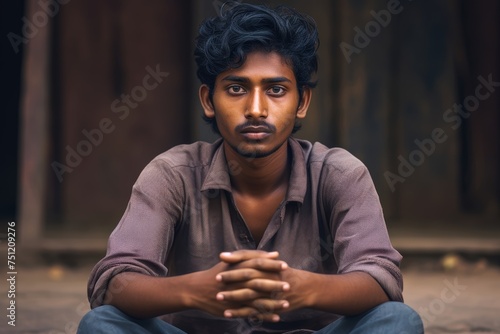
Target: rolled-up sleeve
142,239
361,241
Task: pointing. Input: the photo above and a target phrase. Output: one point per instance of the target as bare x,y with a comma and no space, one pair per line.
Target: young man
258,232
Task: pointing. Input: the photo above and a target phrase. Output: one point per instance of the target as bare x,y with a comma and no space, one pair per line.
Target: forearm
143,296
346,294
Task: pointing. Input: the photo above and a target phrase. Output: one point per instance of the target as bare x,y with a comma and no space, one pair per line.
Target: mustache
263,124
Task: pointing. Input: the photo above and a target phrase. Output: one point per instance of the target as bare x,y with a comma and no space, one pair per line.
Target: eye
236,90
277,91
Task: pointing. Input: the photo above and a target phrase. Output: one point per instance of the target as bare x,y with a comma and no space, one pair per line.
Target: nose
256,105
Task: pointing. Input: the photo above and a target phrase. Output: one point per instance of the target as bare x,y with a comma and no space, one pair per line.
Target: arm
143,296
346,294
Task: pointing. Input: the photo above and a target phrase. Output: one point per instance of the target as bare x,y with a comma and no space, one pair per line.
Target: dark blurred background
93,90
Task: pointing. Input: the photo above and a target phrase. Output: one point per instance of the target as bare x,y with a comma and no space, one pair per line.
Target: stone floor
464,298
455,302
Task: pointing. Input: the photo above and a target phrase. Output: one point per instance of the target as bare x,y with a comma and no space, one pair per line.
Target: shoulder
197,154
338,175
335,172
334,159
178,162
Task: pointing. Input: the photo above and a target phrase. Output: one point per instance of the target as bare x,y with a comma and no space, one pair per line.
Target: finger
259,264
240,295
263,264
245,274
265,305
265,285
246,254
252,314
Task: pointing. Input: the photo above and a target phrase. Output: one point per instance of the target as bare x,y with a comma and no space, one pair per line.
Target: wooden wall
481,154
121,69
386,86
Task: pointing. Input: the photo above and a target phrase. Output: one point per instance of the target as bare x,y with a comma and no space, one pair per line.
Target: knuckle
259,262
247,275
259,284
248,294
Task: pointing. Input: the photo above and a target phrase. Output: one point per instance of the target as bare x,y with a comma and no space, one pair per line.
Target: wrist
190,295
310,289
316,290
303,292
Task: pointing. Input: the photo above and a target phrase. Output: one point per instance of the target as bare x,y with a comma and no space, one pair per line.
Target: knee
396,308
94,321
403,317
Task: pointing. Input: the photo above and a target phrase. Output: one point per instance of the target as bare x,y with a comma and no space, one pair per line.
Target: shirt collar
218,173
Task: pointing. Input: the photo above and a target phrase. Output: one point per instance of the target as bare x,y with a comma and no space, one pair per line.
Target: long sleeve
144,235
361,241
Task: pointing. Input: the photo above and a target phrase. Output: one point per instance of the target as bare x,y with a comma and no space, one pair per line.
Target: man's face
255,105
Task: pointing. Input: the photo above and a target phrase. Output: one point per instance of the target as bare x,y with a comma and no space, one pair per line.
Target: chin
255,152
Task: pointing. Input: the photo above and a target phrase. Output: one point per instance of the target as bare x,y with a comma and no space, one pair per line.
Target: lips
255,132
255,129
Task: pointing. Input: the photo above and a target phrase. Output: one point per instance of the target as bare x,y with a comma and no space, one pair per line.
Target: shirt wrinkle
218,174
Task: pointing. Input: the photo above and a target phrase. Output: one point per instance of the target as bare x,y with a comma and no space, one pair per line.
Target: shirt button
244,238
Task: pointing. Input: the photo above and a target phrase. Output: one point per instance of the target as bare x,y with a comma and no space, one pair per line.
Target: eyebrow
236,78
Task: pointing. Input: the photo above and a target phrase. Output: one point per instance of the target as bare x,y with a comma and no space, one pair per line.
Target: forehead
260,65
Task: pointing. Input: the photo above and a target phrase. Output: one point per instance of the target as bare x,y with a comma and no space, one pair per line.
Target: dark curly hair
224,42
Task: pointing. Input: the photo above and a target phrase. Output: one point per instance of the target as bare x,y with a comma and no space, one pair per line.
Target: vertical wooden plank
87,36
482,182
428,156
34,131
365,65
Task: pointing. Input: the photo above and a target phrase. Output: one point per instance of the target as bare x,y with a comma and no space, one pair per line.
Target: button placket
239,225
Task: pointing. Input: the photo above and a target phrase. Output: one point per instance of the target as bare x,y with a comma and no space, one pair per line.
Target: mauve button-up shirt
181,215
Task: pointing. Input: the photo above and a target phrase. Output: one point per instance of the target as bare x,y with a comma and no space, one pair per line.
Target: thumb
246,254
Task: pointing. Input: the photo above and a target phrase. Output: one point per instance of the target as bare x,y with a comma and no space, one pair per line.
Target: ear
206,102
304,103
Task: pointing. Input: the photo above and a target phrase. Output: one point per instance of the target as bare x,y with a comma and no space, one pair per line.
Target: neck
258,176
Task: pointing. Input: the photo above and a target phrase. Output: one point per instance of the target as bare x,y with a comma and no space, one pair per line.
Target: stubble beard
255,153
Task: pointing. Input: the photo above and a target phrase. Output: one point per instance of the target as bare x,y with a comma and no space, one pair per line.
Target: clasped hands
248,284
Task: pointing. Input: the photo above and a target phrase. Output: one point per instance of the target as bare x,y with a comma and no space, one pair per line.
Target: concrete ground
455,301
464,298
